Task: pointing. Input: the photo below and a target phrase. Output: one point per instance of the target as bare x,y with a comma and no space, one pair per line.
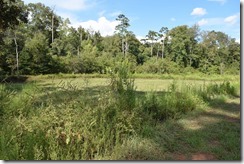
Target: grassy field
84,117
141,84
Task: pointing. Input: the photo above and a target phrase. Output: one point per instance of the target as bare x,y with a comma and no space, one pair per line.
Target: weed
68,122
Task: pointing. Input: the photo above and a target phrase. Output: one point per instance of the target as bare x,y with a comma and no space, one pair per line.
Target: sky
145,15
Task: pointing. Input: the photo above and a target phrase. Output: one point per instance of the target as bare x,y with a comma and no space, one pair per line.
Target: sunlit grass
140,84
173,119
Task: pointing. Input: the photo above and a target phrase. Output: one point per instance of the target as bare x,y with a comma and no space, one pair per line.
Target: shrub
122,84
212,90
171,104
158,65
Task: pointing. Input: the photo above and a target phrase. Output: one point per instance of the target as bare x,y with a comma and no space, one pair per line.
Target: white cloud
199,12
219,1
173,19
104,26
228,21
211,22
238,40
140,38
231,19
202,22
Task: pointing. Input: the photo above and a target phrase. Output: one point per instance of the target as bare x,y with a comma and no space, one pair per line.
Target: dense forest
34,40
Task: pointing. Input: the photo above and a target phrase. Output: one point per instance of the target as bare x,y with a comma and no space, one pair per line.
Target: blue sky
145,15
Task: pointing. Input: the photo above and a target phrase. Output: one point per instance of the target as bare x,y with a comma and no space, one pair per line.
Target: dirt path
214,134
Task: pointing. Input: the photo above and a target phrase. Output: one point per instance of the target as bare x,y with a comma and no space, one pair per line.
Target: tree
219,51
111,45
35,58
183,41
152,37
163,32
43,19
12,13
13,41
19,37
134,47
121,29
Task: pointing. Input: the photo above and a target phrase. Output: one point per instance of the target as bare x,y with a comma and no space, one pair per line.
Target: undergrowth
73,124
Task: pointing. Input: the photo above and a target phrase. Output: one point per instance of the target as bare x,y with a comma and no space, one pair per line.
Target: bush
154,65
122,84
171,104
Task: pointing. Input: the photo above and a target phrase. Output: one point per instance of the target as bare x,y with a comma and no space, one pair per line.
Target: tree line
35,40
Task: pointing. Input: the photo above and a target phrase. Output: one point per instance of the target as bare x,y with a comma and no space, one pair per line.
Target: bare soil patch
203,156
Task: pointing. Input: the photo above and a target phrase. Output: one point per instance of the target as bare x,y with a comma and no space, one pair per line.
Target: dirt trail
228,113
196,156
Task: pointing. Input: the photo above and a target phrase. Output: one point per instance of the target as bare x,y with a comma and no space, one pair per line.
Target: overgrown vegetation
41,42
66,123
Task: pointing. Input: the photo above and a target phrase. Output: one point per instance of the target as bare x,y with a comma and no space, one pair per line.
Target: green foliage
12,12
71,129
55,47
5,99
66,123
160,66
169,105
123,85
178,101
224,88
35,58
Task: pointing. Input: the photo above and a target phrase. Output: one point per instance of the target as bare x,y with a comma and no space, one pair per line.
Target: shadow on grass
211,134
13,79
65,93
14,83
58,95
227,106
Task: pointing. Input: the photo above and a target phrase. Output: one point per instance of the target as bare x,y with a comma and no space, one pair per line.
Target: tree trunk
81,38
17,53
52,28
126,47
78,51
157,51
163,50
123,46
221,68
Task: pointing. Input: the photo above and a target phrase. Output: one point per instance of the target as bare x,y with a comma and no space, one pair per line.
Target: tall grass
71,129
72,124
171,104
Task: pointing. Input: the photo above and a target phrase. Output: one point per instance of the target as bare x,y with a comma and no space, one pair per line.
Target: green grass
140,84
143,76
85,117
213,131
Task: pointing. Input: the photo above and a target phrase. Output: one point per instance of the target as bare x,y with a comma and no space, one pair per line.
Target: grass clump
137,149
169,105
64,128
